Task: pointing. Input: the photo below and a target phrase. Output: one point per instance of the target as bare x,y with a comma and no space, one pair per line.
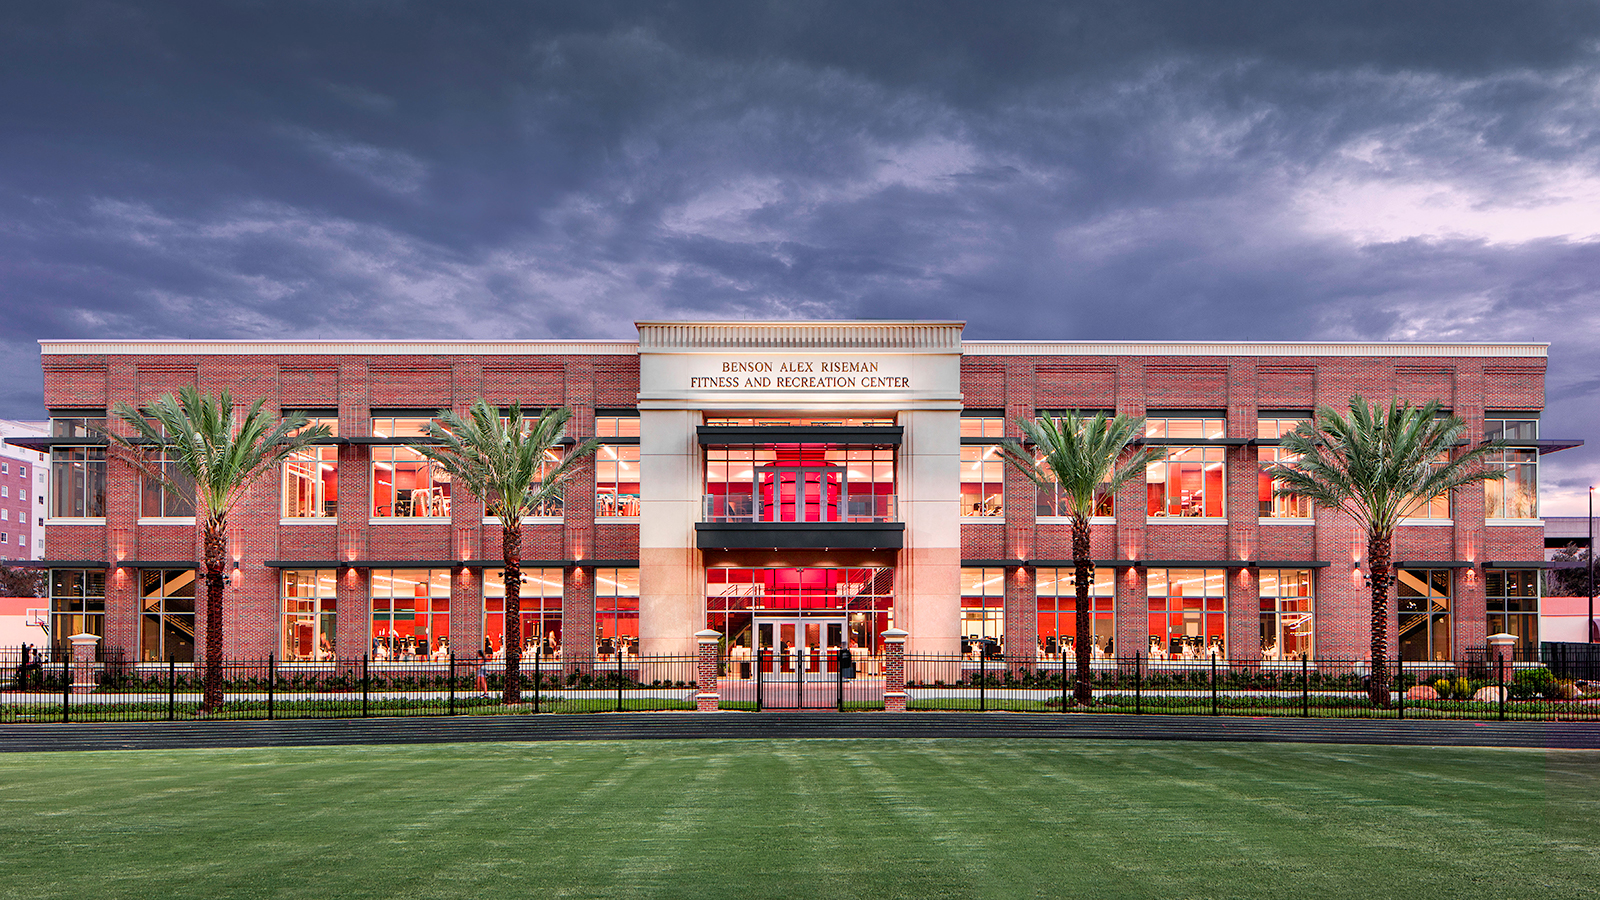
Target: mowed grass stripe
803,818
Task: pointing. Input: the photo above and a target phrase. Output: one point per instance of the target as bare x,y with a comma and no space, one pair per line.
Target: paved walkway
733,726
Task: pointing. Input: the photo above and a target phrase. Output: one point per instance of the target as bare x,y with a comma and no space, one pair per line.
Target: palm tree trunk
511,540
1380,569
214,538
1082,567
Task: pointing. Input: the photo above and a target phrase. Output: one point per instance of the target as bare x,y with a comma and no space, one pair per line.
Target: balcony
818,516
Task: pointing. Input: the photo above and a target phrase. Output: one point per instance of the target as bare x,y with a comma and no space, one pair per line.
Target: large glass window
310,615
166,622
616,480
1188,481
404,482
1424,596
1057,590
77,605
1513,604
609,425
863,597
410,612
156,501
983,480
311,478
983,612
539,600
616,612
1051,501
1286,614
800,483
1273,506
1188,613
78,482
1517,495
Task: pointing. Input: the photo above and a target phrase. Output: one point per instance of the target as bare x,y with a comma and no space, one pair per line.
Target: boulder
1493,694
1422,692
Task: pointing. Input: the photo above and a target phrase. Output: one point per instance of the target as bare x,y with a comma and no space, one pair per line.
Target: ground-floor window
540,603
166,615
983,612
77,605
1424,596
1188,613
616,612
410,613
854,602
1057,589
1513,601
1286,614
310,615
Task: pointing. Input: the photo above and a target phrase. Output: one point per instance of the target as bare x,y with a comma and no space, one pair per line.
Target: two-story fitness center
793,484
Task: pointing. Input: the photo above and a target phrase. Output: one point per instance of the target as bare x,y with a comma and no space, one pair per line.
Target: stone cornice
1247,348
734,337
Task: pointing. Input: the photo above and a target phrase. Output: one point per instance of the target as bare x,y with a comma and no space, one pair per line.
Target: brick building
24,486
791,483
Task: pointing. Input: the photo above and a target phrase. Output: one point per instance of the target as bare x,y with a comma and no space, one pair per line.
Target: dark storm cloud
1156,171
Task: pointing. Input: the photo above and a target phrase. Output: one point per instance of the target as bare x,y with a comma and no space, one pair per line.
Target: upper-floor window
78,474
156,500
1431,507
1517,495
406,484
800,483
1189,480
311,477
1273,506
607,425
616,480
983,468
616,464
1050,500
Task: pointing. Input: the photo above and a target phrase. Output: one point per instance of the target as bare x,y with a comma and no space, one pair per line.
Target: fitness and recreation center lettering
841,374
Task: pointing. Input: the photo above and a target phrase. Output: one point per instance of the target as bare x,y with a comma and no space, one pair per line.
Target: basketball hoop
38,618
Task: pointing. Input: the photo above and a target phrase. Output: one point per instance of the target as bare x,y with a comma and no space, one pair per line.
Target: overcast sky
1167,171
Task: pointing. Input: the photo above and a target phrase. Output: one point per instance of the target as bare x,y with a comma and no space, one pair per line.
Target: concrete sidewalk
827,725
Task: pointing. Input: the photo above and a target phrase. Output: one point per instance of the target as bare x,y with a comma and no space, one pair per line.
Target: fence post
983,677
66,689
1064,688
1305,686
172,686
894,670
838,668
538,668
619,675
1500,667
365,687
707,697
1213,684
452,681
1138,684
1399,681
272,676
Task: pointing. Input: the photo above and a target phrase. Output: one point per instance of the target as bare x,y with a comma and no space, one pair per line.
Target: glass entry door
799,649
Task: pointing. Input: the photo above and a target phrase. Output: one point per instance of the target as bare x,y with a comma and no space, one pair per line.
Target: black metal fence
53,689
1472,688
56,690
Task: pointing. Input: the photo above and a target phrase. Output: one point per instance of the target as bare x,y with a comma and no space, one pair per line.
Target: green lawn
805,819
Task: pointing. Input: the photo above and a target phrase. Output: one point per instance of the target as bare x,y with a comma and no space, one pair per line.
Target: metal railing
845,507
1471,688
58,690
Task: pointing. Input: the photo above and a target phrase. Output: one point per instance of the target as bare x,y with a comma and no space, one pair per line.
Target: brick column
84,676
706,696
894,670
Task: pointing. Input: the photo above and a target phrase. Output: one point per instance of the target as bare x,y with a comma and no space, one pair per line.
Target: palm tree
1081,455
191,446
1374,466
514,466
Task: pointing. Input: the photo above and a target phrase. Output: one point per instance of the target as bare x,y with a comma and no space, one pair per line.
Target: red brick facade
355,384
